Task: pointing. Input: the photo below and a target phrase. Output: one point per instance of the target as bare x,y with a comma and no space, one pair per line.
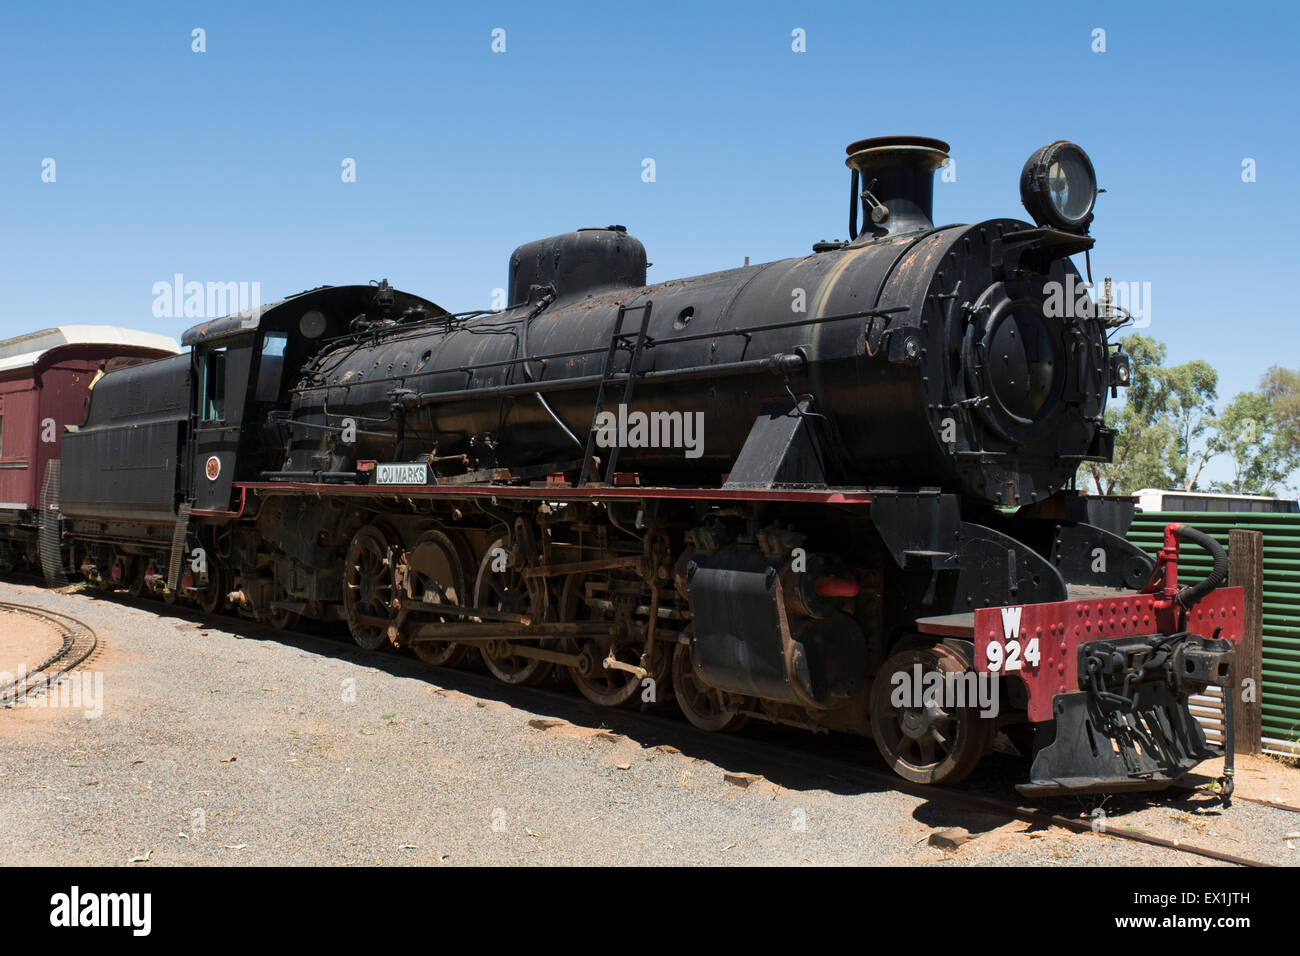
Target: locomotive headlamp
1121,373
1058,187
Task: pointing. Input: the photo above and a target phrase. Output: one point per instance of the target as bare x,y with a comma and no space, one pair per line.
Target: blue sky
226,165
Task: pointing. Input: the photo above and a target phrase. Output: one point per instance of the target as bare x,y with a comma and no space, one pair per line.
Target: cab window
214,387
271,367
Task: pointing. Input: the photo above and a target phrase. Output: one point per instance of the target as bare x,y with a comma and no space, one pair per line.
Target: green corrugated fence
1280,693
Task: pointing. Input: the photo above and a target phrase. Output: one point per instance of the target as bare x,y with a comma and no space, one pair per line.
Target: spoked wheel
706,707
506,590
928,740
436,576
213,600
611,686
368,588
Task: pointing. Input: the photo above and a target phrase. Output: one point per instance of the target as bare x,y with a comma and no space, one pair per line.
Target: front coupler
1130,729
1108,679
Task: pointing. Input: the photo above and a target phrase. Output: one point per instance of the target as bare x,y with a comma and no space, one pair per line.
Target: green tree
1163,426
1259,432
1282,386
1190,390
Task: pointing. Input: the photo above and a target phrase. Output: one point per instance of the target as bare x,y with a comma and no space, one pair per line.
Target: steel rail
799,760
77,641
841,769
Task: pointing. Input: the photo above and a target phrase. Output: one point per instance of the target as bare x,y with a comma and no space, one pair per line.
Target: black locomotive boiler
774,492
926,352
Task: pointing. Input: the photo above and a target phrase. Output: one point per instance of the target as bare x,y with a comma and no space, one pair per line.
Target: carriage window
271,369
214,386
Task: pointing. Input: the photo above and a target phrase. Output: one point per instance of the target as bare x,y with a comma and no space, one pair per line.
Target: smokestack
893,183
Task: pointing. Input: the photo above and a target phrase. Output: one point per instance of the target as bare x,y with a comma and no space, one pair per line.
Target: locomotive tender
881,487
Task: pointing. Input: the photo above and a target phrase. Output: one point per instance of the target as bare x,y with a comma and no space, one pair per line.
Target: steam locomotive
832,491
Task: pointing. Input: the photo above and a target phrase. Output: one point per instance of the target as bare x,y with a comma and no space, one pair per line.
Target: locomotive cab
244,366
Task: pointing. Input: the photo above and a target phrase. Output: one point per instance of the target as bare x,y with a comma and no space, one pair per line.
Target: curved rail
77,641
75,649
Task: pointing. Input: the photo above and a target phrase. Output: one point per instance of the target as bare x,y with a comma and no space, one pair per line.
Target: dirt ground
222,743
1261,777
24,643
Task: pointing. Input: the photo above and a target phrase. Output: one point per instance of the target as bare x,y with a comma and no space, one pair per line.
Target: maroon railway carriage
45,381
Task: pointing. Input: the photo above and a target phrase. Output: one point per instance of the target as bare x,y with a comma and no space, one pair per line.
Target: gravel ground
230,745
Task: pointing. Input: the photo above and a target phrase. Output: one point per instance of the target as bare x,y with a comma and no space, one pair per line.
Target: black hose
546,407
521,349
1189,596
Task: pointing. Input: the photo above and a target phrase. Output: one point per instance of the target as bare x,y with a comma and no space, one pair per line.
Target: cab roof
340,304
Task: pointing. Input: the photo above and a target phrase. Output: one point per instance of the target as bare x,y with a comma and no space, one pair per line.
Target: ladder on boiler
609,376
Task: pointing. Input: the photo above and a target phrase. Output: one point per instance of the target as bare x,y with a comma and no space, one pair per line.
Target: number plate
1039,643
406,474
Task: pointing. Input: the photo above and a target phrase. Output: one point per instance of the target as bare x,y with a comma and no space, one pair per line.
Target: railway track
800,760
745,750
842,769
77,642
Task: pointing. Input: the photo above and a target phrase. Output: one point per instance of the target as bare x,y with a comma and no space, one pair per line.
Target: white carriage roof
1157,493
26,350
